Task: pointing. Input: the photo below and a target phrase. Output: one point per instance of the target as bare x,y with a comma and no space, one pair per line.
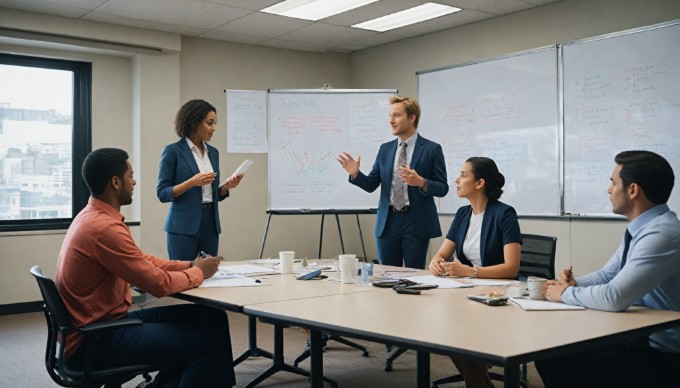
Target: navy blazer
428,161
499,227
176,166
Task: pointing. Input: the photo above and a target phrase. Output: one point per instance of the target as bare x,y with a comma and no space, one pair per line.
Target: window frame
81,136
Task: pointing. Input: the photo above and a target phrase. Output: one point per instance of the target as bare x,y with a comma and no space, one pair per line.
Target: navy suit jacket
499,227
176,166
428,161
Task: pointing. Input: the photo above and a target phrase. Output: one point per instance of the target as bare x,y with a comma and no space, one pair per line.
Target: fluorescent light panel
314,9
407,17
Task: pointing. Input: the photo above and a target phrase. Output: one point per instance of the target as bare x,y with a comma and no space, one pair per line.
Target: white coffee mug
535,287
515,290
286,259
347,268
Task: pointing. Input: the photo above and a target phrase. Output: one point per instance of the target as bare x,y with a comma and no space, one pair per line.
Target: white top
204,166
472,243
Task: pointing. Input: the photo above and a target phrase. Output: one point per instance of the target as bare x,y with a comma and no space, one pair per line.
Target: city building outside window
45,133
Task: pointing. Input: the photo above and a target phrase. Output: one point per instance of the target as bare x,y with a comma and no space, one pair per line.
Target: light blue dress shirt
650,277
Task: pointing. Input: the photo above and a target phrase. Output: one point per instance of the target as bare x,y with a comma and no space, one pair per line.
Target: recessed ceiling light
314,9
406,17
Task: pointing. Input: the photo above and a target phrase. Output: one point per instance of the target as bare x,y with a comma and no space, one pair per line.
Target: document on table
242,168
229,280
542,305
490,282
442,282
247,269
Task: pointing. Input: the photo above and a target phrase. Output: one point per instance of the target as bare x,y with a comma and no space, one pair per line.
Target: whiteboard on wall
307,131
621,92
504,108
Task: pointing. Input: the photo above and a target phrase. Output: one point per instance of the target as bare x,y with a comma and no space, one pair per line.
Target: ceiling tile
285,44
326,34
264,24
496,7
233,37
443,22
370,11
178,29
185,14
218,16
146,9
375,40
115,19
239,20
254,5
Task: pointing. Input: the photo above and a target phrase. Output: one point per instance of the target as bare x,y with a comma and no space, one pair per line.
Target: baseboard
20,308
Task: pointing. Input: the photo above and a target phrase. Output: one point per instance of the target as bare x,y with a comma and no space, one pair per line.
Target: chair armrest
108,325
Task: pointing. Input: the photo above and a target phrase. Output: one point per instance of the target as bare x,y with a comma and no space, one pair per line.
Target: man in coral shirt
97,263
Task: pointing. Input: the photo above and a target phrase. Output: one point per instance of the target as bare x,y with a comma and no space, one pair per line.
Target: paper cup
347,268
286,259
515,290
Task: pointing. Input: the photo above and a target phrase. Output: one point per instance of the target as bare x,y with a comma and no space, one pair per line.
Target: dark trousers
187,247
619,365
399,244
190,343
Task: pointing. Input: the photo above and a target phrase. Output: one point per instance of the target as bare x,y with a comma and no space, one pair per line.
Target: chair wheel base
365,354
388,368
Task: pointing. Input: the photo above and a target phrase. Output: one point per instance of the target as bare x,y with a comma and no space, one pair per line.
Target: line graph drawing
307,162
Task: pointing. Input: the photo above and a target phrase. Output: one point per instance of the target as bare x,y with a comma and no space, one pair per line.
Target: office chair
60,325
537,258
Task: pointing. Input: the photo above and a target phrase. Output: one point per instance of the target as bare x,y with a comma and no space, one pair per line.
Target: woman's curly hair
190,116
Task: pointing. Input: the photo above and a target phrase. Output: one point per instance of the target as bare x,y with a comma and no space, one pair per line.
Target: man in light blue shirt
644,271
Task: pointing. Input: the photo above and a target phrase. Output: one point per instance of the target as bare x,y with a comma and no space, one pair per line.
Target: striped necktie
399,187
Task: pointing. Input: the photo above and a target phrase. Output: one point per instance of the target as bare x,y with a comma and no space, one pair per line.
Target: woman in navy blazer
188,178
486,238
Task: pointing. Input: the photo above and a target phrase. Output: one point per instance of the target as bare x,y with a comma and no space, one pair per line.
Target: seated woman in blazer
486,238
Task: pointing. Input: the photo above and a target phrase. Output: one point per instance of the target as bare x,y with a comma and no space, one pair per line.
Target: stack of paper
542,305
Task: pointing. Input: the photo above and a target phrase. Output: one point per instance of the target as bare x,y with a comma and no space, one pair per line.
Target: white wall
136,95
586,244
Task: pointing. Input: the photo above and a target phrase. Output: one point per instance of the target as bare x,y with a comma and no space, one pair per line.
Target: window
45,134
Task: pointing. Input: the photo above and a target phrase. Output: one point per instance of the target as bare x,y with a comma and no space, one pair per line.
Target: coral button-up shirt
99,260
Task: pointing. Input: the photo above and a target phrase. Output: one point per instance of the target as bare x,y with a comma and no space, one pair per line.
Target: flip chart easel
323,213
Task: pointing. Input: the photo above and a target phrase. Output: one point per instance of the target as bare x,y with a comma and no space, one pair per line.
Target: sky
36,88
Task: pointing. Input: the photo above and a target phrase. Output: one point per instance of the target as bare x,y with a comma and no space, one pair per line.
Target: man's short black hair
101,165
650,171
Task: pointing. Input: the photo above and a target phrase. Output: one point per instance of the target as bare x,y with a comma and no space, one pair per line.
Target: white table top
274,288
446,321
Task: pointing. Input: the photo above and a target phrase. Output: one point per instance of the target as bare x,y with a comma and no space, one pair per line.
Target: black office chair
537,259
60,325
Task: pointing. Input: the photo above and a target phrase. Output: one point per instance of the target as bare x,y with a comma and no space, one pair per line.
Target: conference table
441,321
273,288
